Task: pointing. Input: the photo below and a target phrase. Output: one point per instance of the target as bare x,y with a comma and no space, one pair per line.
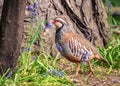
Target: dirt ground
100,78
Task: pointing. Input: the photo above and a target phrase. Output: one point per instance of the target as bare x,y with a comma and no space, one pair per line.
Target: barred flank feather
77,49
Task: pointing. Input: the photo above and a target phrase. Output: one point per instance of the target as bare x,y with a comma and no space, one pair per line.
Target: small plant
34,70
112,52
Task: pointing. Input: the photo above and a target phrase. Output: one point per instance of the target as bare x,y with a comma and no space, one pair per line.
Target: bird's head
58,22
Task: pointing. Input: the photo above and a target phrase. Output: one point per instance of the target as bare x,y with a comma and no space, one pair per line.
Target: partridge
72,47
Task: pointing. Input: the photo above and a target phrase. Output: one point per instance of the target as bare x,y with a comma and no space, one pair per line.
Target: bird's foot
90,73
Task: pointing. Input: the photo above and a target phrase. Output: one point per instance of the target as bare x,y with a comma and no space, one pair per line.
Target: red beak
52,22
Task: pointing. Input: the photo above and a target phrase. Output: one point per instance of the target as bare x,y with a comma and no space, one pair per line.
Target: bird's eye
55,21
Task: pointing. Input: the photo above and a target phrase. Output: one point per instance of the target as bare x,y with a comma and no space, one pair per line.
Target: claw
90,73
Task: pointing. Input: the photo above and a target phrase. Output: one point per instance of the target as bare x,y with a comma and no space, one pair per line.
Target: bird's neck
61,29
60,32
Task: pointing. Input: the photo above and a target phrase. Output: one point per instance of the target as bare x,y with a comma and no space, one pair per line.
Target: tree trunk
85,17
11,32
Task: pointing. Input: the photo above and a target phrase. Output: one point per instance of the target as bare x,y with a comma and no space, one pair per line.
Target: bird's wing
78,50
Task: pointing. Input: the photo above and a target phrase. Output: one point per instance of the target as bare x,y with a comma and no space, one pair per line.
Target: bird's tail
99,57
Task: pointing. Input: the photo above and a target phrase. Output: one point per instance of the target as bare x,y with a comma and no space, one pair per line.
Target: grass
111,52
115,2
112,6
42,70
35,72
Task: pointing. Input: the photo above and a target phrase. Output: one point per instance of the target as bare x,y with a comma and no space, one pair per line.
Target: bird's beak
52,22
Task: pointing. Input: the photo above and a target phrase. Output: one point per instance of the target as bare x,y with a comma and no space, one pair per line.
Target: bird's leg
91,70
77,68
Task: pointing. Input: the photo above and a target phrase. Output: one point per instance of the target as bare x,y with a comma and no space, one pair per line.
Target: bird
72,47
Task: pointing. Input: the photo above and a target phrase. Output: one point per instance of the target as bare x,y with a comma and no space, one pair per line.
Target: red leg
77,69
91,70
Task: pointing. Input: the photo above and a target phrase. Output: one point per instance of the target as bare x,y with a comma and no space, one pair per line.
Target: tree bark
11,32
85,17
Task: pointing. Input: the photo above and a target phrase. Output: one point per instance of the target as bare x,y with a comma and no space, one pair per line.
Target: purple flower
28,49
44,75
33,9
25,49
108,3
48,25
34,58
35,5
55,73
30,8
52,72
60,74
